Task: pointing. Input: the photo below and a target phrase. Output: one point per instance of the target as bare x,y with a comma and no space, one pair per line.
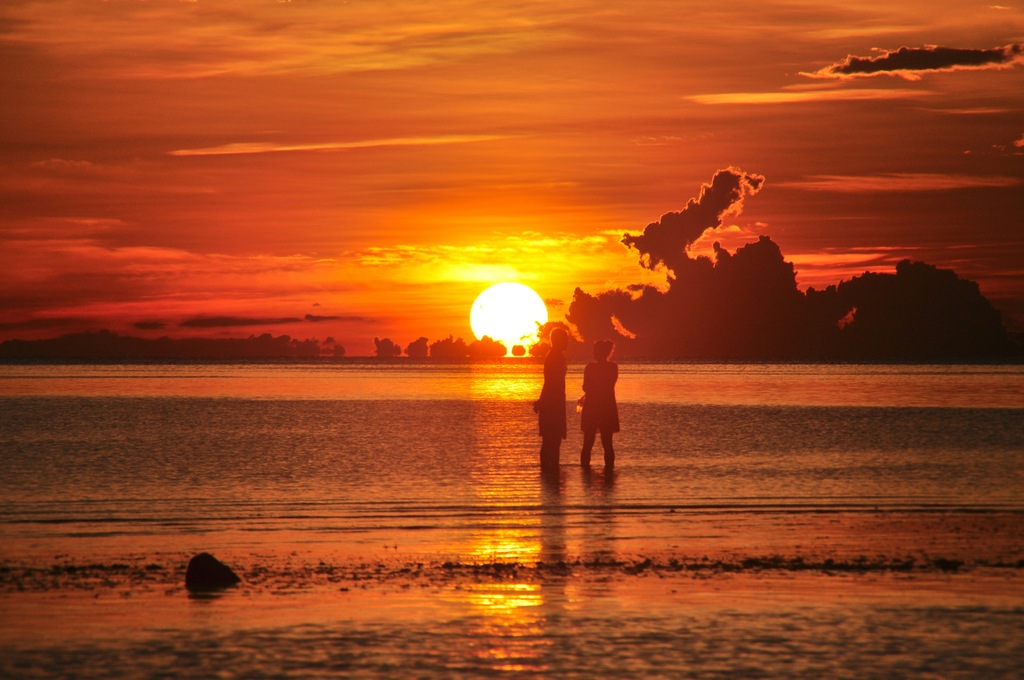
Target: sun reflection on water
508,381
504,600
514,612
511,622
507,545
510,625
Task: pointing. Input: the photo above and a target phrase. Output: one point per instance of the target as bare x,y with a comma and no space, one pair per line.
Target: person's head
603,349
559,339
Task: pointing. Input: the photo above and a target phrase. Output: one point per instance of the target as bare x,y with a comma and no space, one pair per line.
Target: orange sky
367,168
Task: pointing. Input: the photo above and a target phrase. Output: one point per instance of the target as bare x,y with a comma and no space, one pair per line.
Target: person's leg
588,445
549,452
609,452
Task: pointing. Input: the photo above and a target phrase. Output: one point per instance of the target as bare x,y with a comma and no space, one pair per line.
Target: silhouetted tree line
447,349
746,305
457,349
107,345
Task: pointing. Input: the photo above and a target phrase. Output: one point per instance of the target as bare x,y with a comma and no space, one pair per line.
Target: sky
363,169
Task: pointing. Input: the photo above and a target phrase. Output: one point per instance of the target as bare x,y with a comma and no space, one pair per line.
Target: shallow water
557,638
433,463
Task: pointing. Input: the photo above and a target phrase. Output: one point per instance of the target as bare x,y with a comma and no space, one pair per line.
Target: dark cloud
149,325
107,345
52,322
315,318
665,242
911,61
231,321
745,305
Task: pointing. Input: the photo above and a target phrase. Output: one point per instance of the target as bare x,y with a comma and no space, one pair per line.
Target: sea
687,560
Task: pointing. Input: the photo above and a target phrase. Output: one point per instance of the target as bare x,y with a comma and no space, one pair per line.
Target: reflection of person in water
551,406
599,409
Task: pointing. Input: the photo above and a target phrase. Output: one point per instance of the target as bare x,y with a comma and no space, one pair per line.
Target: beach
394,523
905,611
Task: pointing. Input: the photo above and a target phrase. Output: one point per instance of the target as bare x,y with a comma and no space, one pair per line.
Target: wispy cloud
828,266
911,62
900,181
511,259
233,321
43,323
274,147
525,257
313,318
73,273
806,96
970,111
185,40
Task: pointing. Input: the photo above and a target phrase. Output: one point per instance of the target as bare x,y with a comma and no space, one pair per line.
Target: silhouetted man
550,407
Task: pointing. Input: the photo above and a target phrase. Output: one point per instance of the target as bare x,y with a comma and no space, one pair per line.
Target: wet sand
903,587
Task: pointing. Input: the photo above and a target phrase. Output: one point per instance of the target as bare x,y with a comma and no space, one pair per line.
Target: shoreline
70,602
882,604
166,573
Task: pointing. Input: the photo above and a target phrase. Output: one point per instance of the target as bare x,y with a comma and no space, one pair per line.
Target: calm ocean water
104,461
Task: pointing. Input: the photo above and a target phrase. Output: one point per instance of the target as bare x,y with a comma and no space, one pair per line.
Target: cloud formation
911,62
746,304
664,243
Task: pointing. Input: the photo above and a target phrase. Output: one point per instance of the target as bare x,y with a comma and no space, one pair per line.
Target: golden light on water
508,545
505,599
507,382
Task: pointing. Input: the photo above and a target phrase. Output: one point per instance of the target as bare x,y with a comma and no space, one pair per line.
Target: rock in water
206,572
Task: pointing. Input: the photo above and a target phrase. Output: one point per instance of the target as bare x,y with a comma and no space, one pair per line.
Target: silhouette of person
600,412
550,407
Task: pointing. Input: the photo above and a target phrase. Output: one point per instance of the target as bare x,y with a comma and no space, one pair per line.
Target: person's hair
603,349
559,339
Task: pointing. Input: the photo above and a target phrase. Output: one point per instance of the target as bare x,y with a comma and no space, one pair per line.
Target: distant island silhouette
106,345
739,306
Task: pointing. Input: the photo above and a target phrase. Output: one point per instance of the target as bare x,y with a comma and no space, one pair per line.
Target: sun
509,313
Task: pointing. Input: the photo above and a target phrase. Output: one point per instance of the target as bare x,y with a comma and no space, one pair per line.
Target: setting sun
509,313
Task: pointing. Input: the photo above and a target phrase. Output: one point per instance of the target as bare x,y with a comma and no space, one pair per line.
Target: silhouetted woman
600,412
551,406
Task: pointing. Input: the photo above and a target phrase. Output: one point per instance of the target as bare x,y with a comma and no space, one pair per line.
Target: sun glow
510,313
